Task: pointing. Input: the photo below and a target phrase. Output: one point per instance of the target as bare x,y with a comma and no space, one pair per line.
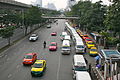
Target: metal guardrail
97,73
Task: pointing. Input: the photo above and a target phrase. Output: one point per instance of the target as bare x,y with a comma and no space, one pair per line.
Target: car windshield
53,45
33,35
93,49
88,39
28,57
90,43
79,46
65,47
38,65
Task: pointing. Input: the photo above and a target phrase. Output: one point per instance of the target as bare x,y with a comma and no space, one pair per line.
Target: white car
33,37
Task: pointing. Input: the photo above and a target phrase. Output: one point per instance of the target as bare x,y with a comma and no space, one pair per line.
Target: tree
31,17
7,33
112,20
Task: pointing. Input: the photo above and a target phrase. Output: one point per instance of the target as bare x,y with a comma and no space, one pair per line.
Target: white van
79,46
79,63
82,75
66,49
67,37
63,35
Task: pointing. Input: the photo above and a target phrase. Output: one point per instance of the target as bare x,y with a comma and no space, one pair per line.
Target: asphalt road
59,67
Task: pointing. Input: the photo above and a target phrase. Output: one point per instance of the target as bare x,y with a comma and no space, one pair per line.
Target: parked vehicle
81,75
90,44
79,63
93,51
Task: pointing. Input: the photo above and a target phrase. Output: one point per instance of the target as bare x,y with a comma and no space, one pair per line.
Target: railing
97,74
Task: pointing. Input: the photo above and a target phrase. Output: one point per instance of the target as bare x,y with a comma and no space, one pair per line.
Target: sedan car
48,26
84,36
53,46
54,34
90,44
38,68
93,51
88,39
33,37
29,58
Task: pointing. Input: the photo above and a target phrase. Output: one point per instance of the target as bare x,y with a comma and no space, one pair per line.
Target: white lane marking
58,69
9,75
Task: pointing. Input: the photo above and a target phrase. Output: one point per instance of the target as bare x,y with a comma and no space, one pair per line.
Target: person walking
44,44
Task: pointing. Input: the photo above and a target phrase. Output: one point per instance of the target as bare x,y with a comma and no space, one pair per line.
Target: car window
66,47
88,39
28,57
80,46
93,49
90,43
53,45
33,35
38,65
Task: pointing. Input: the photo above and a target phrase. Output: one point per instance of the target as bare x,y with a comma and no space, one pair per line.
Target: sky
58,3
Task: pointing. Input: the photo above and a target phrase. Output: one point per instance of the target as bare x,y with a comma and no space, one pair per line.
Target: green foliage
7,32
91,15
112,20
32,16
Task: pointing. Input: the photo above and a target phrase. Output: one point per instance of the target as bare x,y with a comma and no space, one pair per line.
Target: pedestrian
44,44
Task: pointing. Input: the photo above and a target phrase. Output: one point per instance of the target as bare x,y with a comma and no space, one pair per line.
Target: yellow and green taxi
93,51
38,68
90,44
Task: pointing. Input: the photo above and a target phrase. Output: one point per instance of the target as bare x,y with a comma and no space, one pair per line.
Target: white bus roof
67,37
66,43
79,60
82,75
64,33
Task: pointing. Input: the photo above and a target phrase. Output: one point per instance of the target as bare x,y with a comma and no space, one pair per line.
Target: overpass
60,17
14,5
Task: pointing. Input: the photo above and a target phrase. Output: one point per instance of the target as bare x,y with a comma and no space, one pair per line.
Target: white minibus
79,46
79,63
66,48
63,35
82,75
67,37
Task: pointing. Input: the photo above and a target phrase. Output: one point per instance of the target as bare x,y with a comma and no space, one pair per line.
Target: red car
88,39
53,33
29,58
53,46
85,36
